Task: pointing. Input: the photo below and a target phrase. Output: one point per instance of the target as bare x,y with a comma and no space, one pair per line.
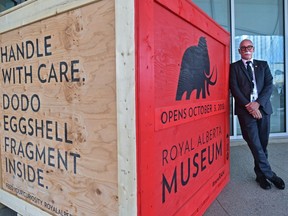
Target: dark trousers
256,134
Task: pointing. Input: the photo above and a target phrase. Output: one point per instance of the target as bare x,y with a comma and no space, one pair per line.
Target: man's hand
256,114
252,106
253,109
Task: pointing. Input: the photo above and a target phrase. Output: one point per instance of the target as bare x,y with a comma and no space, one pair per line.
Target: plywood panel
58,112
35,10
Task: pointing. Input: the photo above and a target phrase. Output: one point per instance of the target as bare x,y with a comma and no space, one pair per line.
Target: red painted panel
182,108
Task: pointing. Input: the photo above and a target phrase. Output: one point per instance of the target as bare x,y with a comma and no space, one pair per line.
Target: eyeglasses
249,48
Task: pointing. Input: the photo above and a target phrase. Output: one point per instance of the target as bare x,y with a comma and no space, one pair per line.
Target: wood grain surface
58,112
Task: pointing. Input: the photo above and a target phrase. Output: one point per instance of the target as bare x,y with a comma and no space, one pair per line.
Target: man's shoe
263,183
278,182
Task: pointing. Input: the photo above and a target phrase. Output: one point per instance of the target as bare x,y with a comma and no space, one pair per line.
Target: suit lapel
256,71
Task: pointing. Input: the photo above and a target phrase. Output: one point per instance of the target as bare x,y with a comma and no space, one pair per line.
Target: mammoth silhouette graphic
195,71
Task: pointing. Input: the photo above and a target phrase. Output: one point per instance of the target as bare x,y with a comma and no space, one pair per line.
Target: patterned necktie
249,69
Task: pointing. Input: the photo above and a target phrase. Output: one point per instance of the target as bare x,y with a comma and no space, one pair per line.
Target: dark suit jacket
241,85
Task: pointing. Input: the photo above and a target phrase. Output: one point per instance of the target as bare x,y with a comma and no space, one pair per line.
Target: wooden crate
93,109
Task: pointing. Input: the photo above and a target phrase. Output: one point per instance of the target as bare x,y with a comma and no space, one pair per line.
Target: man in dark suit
251,85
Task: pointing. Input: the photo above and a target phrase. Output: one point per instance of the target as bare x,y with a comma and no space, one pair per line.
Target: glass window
262,22
217,10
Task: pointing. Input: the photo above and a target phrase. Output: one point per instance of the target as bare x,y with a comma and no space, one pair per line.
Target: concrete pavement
243,196
5,211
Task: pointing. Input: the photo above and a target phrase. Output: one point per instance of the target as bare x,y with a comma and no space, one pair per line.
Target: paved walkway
5,211
243,196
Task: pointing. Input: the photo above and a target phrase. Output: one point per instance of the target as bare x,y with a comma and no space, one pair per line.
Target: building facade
265,23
